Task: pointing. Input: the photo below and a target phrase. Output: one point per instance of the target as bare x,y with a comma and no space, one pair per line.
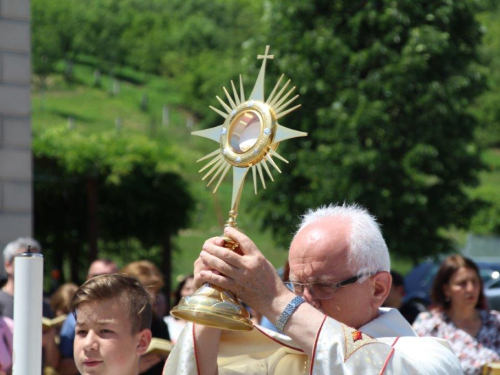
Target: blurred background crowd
58,338
446,300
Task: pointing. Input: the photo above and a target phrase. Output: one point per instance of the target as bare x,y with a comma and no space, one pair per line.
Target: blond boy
113,319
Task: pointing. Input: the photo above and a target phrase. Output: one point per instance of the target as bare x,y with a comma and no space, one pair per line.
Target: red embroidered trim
395,341
276,340
315,345
196,352
389,356
387,361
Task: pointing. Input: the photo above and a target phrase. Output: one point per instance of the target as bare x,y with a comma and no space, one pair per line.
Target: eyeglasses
321,290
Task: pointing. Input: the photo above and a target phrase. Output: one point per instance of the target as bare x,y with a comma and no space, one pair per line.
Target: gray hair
12,248
368,253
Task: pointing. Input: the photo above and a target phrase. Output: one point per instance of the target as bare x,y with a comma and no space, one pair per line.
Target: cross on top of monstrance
265,55
247,139
250,135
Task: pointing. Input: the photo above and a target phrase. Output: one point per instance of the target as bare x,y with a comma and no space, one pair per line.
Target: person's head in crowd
184,289
397,292
113,319
59,302
19,246
458,285
101,267
160,307
16,247
341,246
148,275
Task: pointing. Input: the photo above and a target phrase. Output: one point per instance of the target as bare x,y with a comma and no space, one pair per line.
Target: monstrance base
214,307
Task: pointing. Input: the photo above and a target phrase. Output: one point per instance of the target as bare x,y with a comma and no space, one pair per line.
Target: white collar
389,323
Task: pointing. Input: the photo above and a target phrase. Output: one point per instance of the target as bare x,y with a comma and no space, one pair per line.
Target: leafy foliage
385,87
486,221
196,45
108,153
138,192
486,108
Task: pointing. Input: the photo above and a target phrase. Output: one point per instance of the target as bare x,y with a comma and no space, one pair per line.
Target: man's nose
91,342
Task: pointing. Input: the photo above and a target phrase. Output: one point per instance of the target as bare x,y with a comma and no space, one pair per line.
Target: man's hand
249,275
200,264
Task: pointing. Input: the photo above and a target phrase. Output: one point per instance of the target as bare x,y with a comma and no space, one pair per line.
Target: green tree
204,48
385,88
102,25
487,220
54,25
107,186
146,38
486,108
46,41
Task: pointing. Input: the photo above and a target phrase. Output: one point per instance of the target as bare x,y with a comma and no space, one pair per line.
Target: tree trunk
59,263
166,267
74,262
92,217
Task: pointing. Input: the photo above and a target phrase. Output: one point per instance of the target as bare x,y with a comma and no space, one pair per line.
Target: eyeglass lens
317,290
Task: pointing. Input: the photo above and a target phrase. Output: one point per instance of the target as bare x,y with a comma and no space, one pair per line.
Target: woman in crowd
459,315
184,288
59,302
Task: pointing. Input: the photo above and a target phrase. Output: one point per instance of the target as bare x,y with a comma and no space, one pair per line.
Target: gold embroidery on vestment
352,342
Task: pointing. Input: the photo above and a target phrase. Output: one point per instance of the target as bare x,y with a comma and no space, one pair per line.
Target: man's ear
381,283
144,341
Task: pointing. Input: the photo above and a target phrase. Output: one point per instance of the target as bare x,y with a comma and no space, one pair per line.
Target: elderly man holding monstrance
329,316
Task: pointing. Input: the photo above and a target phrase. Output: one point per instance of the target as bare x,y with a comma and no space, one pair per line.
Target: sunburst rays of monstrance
247,139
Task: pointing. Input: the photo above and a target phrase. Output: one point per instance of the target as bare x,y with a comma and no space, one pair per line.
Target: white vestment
386,345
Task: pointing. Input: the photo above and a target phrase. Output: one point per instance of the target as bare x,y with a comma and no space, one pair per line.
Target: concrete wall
16,195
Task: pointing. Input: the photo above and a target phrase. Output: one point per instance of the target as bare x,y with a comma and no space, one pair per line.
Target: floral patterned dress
473,352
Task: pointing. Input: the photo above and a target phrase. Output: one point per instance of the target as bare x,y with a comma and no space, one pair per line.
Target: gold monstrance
248,139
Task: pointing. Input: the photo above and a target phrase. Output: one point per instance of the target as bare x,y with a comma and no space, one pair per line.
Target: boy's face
104,343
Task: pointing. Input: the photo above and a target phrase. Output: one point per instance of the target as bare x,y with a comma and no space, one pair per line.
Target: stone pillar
16,192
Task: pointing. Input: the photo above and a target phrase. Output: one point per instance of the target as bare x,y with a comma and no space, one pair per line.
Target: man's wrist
275,308
287,312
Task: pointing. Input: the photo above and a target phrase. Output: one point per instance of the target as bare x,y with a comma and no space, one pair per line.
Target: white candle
28,296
